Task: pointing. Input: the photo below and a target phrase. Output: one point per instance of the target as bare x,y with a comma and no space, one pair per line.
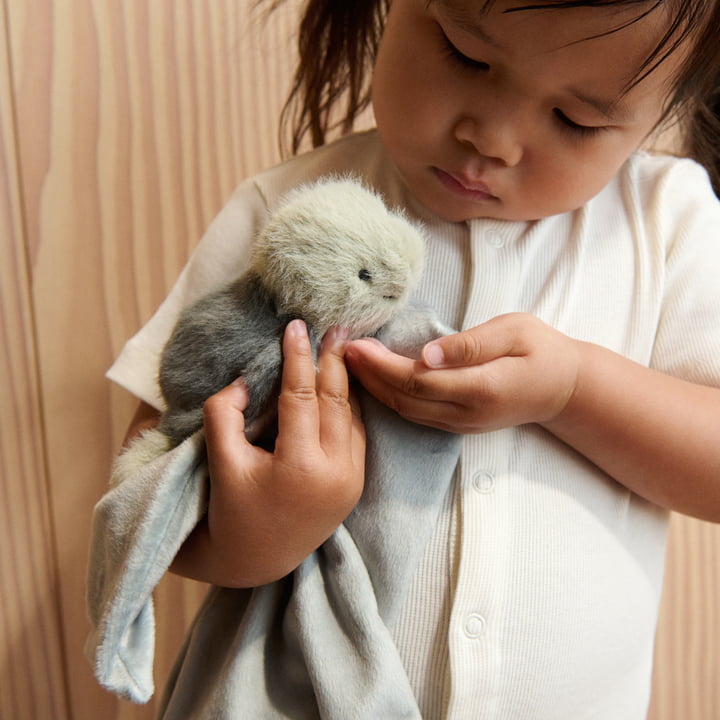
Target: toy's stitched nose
392,291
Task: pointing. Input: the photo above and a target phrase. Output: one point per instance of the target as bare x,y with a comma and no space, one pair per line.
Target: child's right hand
268,511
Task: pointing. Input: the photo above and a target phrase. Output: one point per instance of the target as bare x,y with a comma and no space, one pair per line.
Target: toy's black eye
365,275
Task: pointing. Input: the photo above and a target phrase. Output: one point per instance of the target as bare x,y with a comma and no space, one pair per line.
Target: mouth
469,190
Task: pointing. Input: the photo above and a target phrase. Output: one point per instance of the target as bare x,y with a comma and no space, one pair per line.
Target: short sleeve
688,336
221,255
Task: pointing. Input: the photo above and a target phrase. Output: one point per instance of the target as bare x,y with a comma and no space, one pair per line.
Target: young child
582,275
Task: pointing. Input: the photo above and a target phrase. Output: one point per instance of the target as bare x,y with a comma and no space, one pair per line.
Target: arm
145,418
268,511
653,433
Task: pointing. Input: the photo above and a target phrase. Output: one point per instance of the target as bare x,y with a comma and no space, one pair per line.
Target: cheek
566,180
410,83
396,87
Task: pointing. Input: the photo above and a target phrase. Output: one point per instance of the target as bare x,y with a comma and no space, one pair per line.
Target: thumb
481,344
223,417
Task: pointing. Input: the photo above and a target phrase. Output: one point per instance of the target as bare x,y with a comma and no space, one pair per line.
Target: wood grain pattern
32,674
132,132
124,126
687,657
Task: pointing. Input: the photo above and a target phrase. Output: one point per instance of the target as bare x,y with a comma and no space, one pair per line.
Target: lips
459,185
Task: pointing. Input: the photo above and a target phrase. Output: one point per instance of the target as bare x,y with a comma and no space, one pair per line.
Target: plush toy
332,254
317,642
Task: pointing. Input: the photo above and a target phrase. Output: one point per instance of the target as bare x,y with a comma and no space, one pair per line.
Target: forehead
596,19
645,33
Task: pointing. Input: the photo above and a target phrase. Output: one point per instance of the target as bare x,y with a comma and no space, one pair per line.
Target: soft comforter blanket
315,644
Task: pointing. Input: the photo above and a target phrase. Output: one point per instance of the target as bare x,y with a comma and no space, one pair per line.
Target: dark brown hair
337,45
338,42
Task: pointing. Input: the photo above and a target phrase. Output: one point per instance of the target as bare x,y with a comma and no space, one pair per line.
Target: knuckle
300,394
413,385
335,399
330,483
466,349
212,406
306,466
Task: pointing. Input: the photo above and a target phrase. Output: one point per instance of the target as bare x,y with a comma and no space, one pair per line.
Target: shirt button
483,482
494,239
474,626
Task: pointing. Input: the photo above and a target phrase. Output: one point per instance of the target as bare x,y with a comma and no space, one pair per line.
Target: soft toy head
334,254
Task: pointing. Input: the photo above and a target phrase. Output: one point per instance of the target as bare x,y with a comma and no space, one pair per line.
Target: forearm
226,560
655,434
145,418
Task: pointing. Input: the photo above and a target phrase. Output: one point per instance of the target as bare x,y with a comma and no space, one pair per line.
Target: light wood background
124,126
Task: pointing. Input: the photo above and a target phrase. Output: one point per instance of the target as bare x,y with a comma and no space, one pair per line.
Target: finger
358,432
298,415
224,421
405,385
484,343
342,432
333,392
441,398
376,367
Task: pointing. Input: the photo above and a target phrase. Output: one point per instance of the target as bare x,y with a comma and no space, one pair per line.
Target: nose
495,137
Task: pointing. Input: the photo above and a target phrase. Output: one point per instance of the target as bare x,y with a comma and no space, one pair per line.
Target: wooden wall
124,126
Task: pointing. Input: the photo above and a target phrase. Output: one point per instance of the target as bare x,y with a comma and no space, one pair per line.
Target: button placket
494,238
494,284
474,626
484,482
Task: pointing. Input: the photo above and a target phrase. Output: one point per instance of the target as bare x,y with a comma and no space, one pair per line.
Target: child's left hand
511,370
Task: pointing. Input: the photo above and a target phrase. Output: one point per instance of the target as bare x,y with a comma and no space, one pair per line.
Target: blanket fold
315,644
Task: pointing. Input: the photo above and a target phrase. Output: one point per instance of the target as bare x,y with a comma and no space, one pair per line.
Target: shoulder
667,185
647,167
664,201
358,154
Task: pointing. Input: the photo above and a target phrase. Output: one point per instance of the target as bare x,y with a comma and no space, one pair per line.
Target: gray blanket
315,644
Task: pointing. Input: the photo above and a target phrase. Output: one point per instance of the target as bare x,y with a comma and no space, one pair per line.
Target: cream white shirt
537,597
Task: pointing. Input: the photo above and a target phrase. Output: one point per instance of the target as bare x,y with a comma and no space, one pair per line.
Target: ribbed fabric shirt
537,597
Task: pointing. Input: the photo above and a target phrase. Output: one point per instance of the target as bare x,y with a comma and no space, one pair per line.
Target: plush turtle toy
332,254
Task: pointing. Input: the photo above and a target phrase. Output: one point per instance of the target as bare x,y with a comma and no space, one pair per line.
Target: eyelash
461,59
564,122
575,129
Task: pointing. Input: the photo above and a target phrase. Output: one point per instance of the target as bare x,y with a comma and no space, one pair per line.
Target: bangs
685,17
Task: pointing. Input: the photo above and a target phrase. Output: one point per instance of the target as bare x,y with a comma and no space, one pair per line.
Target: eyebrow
462,20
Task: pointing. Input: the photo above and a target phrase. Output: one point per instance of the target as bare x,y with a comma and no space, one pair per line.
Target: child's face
513,116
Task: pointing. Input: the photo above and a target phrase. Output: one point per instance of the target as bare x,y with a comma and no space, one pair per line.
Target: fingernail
239,384
241,388
296,329
433,355
336,335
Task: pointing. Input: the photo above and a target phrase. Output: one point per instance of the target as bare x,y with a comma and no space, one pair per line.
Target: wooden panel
32,680
687,658
135,121
124,126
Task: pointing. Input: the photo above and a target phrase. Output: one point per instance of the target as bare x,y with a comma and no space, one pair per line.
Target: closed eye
460,58
570,126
